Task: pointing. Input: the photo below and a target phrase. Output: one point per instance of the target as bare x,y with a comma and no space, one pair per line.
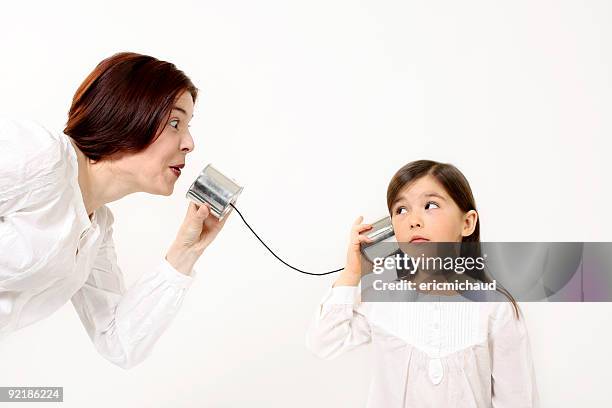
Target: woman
438,349
127,132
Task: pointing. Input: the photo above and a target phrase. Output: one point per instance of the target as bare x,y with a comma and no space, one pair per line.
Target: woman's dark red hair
123,104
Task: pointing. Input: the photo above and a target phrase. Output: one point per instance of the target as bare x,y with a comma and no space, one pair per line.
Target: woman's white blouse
430,352
50,252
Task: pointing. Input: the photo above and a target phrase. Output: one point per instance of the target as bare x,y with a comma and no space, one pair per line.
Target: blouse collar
83,217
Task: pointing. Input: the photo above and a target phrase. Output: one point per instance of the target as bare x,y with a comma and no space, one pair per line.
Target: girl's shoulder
500,314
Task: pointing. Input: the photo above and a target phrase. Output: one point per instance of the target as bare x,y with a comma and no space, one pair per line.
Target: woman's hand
351,274
198,230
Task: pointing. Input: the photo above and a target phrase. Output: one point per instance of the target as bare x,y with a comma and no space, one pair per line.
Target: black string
276,256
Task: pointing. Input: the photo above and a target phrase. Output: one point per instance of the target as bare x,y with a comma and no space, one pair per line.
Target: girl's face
423,211
156,169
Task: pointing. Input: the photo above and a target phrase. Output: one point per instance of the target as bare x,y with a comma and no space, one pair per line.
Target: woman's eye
431,203
174,123
400,210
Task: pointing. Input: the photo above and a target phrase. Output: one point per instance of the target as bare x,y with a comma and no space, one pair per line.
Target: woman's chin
169,190
165,189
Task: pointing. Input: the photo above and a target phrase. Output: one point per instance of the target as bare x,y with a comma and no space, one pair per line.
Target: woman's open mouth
177,169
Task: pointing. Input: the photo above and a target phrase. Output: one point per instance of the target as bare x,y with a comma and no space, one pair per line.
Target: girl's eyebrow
428,194
397,200
434,195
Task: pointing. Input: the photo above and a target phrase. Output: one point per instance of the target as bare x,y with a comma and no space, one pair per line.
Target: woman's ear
469,223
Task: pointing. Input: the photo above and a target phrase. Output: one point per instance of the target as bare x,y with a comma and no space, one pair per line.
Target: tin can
216,190
383,240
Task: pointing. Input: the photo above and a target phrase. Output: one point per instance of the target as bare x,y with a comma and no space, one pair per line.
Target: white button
436,371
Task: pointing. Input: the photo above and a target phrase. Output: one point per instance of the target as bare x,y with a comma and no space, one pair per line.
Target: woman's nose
187,144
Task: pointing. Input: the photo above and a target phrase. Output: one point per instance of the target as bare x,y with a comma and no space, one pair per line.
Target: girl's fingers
363,227
359,232
356,237
363,238
359,238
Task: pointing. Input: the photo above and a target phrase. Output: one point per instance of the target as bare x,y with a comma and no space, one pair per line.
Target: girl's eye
400,210
174,123
432,203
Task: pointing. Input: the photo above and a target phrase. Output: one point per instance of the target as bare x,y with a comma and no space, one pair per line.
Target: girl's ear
469,223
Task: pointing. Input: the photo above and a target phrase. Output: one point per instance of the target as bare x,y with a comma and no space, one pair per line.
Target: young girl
439,351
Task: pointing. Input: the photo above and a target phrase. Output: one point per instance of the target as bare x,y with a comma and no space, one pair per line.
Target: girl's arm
512,370
338,326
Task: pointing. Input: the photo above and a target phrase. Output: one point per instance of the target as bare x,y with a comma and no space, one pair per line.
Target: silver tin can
384,243
216,190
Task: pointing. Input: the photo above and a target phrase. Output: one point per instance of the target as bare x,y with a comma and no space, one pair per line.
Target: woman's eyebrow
178,108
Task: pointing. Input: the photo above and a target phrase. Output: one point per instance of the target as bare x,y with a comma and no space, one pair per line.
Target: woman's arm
124,325
197,231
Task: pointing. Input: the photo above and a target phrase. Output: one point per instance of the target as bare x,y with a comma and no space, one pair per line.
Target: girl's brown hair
457,186
123,103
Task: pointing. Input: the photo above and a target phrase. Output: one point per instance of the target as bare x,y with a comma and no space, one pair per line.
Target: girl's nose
415,222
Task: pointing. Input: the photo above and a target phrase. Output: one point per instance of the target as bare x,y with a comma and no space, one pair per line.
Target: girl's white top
51,252
429,351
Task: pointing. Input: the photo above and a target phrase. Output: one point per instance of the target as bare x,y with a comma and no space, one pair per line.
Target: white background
313,106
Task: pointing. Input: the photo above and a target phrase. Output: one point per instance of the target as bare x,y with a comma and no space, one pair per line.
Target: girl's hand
351,274
198,230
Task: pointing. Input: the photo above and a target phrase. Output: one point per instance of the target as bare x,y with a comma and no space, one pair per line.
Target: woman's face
424,209
156,169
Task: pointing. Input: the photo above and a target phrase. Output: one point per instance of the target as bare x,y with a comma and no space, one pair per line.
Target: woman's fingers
213,222
211,228
201,212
